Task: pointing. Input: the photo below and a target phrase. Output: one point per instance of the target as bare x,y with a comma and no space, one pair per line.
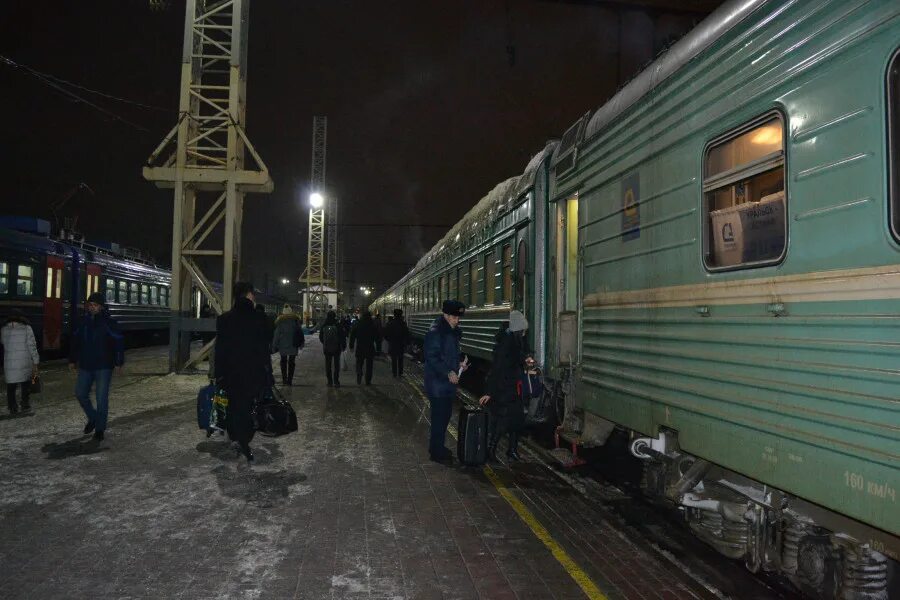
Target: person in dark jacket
442,371
334,340
287,341
379,333
242,363
503,396
363,340
397,335
96,348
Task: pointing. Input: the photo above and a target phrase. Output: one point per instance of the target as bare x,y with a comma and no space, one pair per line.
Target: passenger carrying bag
471,446
275,415
212,405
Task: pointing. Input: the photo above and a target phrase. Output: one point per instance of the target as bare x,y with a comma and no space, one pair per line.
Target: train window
489,270
473,283
507,273
123,292
163,296
454,285
4,278
110,290
154,295
521,268
893,87
133,296
49,287
93,285
462,275
145,293
442,289
744,196
25,280
59,278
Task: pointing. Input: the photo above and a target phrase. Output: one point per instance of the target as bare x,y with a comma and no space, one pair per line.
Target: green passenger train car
711,263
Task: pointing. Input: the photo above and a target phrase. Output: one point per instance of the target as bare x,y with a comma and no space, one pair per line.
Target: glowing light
285,281
769,135
316,200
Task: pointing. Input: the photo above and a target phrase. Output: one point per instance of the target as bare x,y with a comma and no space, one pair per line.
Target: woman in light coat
287,341
20,358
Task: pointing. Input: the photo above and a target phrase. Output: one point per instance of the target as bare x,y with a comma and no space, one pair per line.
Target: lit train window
133,296
110,289
154,295
893,87
123,292
507,273
744,196
49,286
25,280
4,278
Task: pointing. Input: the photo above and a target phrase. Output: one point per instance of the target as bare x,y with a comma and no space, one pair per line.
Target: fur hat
454,308
287,310
517,321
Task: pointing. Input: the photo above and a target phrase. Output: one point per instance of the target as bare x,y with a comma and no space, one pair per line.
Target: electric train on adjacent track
711,264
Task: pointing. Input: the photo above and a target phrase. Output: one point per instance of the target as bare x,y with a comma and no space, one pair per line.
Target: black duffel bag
275,415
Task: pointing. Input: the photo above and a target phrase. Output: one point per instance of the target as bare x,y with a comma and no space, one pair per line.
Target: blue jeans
441,408
86,379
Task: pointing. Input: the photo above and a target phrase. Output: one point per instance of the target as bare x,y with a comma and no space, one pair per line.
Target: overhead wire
49,82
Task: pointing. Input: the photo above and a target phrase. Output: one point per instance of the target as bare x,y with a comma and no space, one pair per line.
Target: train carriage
714,268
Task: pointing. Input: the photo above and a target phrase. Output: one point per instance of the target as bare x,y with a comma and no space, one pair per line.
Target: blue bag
204,406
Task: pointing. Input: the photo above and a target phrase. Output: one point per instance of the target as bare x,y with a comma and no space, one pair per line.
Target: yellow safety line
577,574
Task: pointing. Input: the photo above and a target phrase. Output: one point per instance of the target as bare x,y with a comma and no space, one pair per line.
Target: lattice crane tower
202,158
315,277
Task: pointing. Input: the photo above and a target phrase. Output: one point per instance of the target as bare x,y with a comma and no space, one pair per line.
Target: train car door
92,280
566,300
53,304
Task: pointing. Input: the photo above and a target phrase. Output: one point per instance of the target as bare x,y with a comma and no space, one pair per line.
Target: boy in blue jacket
97,347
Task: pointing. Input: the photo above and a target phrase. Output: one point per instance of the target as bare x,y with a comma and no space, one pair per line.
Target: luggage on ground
275,415
473,436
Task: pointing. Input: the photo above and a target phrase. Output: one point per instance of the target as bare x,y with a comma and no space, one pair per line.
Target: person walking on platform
397,335
443,368
333,343
503,397
379,333
96,348
20,359
363,340
242,363
287,341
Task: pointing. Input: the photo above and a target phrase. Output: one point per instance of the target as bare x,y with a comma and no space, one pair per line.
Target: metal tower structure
315,276
331,241
202,158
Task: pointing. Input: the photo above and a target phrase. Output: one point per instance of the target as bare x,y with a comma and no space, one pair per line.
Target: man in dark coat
397,335
363,338
503,396
442,370
242,363
96,348
334,340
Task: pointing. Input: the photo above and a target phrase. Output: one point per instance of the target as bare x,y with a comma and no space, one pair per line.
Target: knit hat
454,308
517,321
97,298
287,310
398,312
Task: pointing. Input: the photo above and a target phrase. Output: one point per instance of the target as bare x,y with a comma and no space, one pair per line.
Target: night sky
429,105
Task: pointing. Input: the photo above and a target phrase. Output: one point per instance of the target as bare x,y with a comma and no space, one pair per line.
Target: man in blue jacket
442,370
97,347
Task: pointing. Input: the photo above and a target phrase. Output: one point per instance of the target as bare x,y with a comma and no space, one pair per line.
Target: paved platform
348,507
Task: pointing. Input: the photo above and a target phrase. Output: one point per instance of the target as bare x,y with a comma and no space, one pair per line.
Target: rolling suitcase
473,436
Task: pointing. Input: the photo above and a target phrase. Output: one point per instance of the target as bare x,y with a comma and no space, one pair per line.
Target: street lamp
316,200
285,281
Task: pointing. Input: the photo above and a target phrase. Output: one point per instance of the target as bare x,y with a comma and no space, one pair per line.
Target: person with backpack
20,359
287,340
333,343
503,386
96,348
364,339
397,335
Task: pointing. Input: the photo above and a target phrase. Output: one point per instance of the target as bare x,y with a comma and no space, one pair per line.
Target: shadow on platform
76,447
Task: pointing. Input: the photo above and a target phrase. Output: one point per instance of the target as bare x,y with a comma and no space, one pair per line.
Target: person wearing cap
243,363
502,395
97,347
397,335
20,359
442,370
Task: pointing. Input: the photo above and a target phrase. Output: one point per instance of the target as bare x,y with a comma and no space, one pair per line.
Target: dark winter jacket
397,335
287,332
341,335
364,337
441,357
506,368
242,350
97,344
530,386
